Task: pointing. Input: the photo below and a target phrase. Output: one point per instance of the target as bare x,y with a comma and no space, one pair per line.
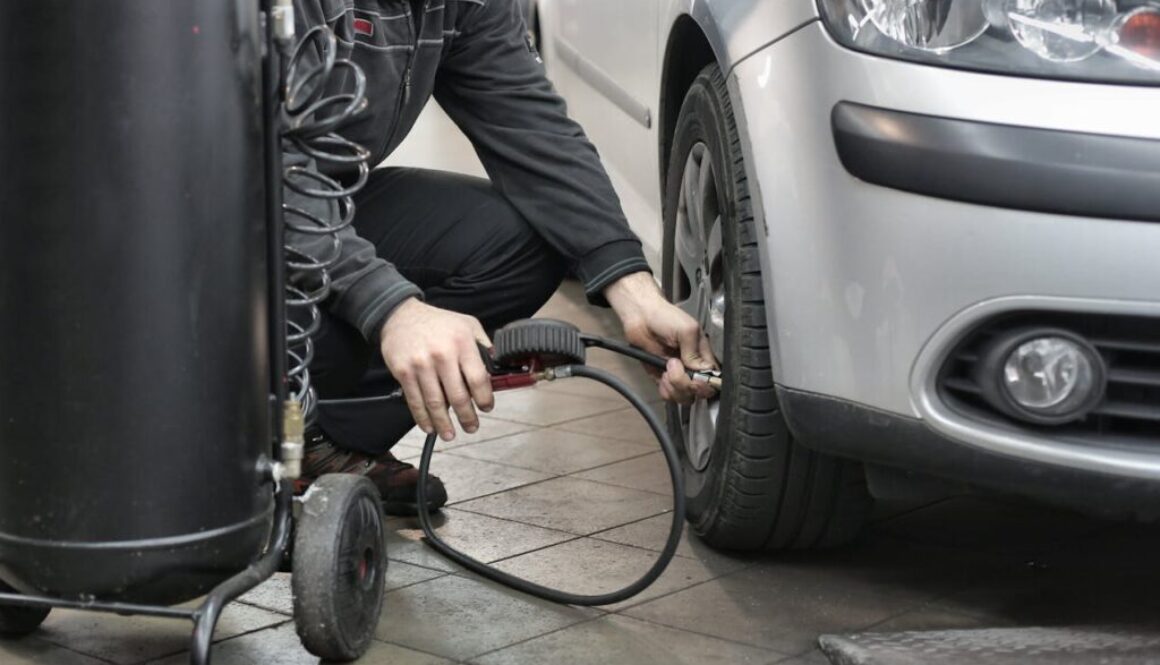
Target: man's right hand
433,353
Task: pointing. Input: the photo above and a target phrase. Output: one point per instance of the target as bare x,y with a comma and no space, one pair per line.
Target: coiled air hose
533,350
312,115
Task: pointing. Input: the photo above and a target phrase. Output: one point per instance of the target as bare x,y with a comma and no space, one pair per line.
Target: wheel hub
699,286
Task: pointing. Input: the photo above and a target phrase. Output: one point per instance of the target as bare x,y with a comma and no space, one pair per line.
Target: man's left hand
654,324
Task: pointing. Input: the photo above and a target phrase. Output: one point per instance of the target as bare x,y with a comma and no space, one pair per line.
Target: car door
605,62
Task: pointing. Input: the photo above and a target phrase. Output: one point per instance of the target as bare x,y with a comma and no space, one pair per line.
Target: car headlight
1095,40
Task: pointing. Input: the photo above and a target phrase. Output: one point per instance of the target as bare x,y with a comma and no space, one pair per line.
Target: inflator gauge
533,350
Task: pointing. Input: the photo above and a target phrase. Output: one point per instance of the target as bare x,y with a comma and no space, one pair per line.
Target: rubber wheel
749,485
339,567
19,621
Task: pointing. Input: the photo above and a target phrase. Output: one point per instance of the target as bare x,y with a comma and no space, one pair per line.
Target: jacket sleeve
364,288
492,84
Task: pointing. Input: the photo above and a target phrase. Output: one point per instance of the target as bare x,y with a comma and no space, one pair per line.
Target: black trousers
469,251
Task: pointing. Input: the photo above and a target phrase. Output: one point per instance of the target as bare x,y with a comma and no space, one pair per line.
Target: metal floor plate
998,646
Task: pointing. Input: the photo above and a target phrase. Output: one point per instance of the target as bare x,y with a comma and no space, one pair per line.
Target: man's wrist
407,303
633,293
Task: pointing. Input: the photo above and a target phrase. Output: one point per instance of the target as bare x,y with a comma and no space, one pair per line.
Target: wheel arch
688,50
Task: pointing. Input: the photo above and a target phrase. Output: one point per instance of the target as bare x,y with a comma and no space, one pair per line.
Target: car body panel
867,287
737,29
626,43
859,276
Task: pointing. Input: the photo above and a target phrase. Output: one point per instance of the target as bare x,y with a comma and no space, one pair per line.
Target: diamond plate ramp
998,646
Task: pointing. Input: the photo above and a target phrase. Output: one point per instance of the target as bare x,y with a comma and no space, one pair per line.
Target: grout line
594,414
442,573
418,565
623,487
697,632
608,464
453,504
573,533
508,519
453,453
249,603
457,504
536,637
572,476
531,551
215,643
637,521
72,650
415,649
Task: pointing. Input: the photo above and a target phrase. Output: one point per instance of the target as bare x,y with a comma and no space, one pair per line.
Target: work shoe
397,481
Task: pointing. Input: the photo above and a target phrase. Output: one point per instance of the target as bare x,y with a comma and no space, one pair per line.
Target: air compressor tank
134,362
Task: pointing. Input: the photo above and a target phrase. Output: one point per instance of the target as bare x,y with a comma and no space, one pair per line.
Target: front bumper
871,281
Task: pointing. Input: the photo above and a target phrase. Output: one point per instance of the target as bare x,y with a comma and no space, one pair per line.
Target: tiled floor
562,485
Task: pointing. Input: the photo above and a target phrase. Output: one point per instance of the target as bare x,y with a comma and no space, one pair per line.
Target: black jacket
474,57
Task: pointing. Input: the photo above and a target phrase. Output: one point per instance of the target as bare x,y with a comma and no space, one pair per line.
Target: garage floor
563,485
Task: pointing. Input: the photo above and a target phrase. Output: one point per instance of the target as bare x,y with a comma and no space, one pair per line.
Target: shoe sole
411,509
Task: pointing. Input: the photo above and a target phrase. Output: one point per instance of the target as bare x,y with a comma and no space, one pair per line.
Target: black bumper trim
856,431
1069,173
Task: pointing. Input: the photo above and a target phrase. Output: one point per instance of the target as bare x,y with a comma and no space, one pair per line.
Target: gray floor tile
35,651
543,408
648,473
626,425
770,607
633,376
274,594
485,538
468,478
489,428
813,657
460,617
653,532
592,567
617,639
401,574
932,617
553,451
280,646
569,504
128,640
581,387
405,544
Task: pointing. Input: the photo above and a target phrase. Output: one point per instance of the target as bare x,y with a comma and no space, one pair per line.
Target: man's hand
657,326
433,354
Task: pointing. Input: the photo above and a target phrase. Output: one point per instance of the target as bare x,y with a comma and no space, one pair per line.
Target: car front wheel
749,484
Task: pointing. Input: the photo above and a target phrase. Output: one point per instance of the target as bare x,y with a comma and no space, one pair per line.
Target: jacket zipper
405,87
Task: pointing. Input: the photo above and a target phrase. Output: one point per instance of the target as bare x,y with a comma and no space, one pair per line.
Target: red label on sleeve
364,27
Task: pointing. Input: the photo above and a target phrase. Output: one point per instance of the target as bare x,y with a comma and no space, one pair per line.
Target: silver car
922,235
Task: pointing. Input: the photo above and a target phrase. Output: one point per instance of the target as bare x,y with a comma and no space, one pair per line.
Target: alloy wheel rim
699,286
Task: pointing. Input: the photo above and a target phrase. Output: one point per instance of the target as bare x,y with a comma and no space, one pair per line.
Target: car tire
749,484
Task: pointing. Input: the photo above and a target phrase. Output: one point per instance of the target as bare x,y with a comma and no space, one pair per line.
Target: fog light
1047,373
1042,376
